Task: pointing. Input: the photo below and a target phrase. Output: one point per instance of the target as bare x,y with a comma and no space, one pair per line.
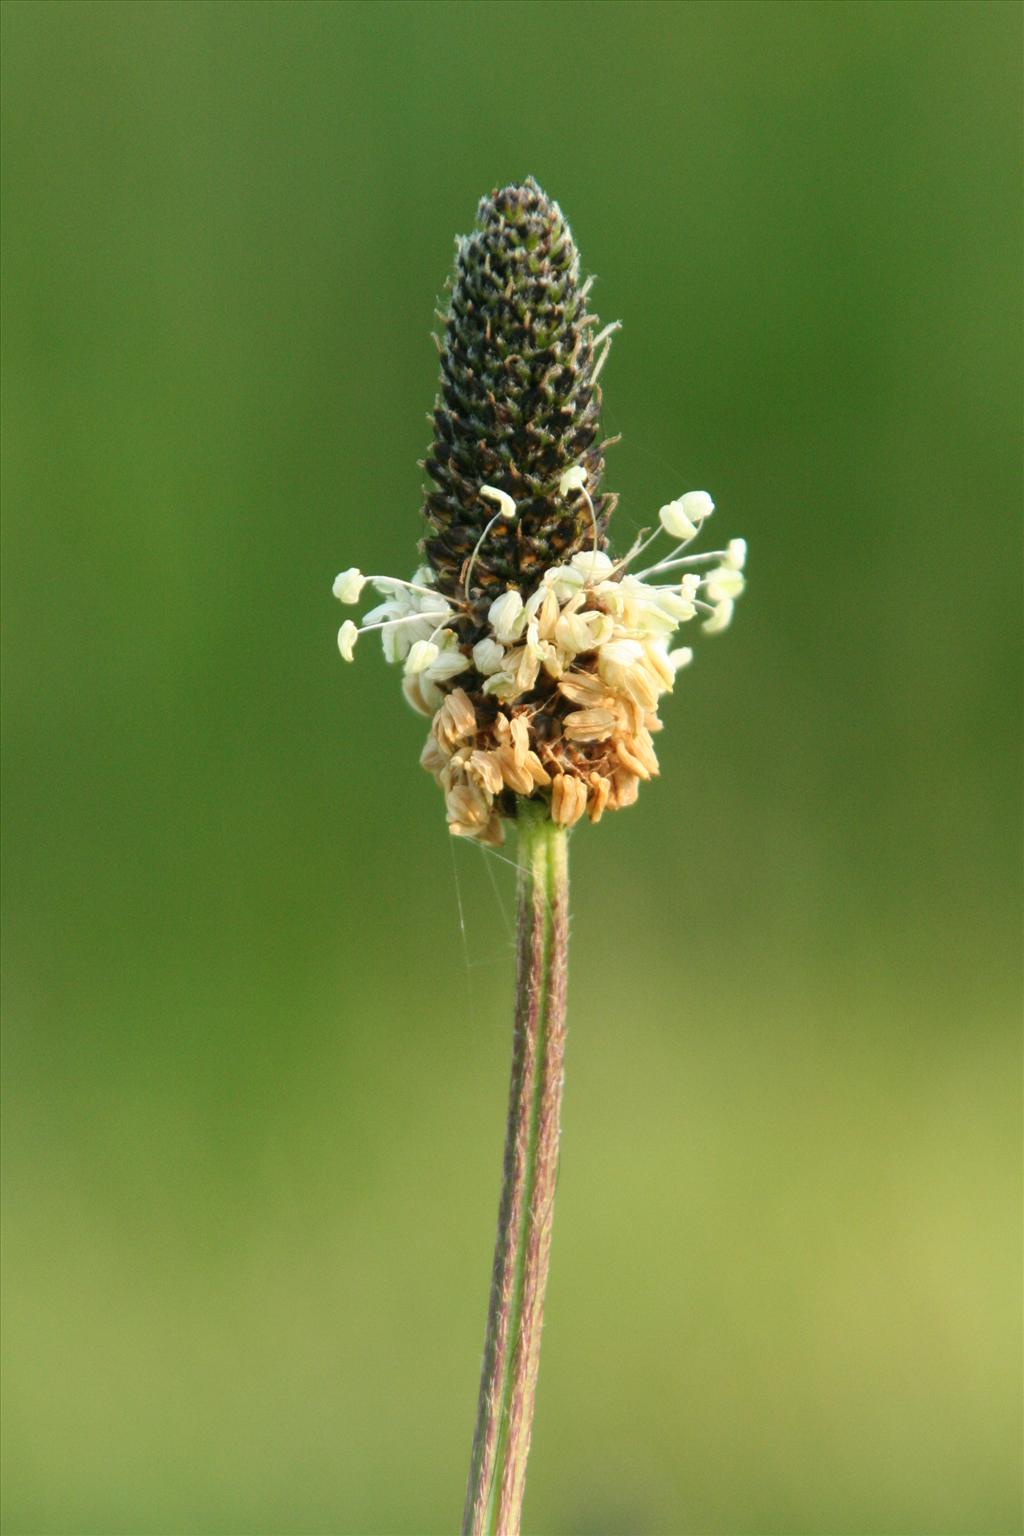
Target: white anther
696,505
617,659
675,522
573,634
422,654
720,619
503,684
348,585
502,500
447,665
488,656
348,634
678,606
506,616
724,582
574,479
593,564
736,554
563,581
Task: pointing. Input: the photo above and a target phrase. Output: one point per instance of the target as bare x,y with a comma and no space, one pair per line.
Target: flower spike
541,660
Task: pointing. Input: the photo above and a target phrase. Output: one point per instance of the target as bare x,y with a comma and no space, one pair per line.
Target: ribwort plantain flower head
539,657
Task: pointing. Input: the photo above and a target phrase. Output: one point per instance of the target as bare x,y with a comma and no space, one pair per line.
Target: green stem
508,1382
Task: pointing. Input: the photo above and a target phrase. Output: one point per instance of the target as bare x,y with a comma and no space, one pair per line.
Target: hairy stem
508,1382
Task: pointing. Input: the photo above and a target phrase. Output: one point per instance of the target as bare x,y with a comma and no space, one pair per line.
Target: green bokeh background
255,1061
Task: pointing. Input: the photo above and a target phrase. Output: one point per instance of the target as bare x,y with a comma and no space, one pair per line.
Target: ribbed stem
508,1382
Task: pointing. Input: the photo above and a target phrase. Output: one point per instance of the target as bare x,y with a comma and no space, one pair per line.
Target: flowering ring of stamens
559,697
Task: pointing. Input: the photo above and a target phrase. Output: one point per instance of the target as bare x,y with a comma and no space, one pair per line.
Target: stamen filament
472,559
410,618
396,581
673,564
637,549
593,516
443,625
606,337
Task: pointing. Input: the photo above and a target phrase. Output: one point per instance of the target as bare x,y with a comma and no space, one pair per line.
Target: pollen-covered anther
626,668
434,757
484,769
415,691
520,768
516,776
660,667
629,760
636,753
590,724
455,721
469,810
625,788
597,800
519,736
573,634
568,800
583,688
540,775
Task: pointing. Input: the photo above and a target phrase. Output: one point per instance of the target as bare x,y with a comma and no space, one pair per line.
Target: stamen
721,617
348,585
506,506
421,656
593,516
638,549
606,337
506,510
386,582
673,564
684,516
410,618
348,634
443,625
575,479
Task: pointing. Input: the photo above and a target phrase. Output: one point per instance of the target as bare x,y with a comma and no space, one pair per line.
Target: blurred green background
255,1061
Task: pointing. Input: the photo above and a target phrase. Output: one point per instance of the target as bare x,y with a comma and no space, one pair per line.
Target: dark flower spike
518,403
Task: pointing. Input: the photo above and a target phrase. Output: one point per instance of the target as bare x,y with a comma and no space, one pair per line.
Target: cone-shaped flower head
540,659
518,402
